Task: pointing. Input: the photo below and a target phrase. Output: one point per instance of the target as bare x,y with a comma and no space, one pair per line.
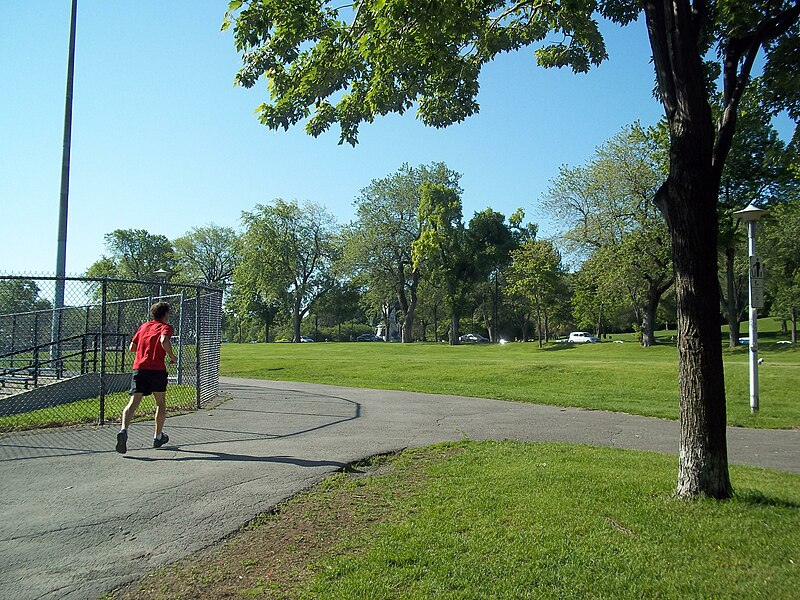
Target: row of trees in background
410,255
204,255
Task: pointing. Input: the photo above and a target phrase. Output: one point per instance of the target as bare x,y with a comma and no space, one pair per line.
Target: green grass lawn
618,377
507,520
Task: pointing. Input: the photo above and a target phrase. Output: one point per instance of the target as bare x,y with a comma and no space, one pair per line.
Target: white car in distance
582,337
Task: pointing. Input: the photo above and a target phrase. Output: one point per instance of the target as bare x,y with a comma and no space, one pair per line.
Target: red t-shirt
149,353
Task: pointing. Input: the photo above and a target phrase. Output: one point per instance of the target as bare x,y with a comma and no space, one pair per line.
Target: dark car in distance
369,337
473,338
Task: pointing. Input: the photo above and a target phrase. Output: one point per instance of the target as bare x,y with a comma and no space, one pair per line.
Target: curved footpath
79,520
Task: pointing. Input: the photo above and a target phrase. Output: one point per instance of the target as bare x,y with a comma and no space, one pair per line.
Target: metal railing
88,353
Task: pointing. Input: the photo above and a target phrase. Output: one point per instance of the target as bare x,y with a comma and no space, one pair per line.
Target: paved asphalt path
79,519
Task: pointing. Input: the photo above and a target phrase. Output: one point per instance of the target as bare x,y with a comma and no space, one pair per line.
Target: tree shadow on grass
764,347
556,347
757,498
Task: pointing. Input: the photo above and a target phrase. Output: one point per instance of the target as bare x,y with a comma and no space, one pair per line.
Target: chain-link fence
64,347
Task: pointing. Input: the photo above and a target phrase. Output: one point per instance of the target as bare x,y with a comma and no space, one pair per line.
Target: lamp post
751,214
61,242
162,279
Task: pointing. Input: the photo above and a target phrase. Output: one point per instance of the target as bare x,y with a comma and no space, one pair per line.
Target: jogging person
151,342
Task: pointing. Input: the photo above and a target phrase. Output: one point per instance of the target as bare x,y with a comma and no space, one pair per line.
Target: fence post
197,338
119,352
84,338
35,349
13,337
59,366
180,343
103,352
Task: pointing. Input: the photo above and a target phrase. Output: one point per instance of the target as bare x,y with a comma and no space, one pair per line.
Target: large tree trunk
494,332
599,327
654,293
455,317
539,324
546,325
794,324
408,305
732,307
648,320
297,317
407,333
688,203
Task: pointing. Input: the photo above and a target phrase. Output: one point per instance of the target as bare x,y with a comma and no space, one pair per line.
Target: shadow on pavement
245,418
227,456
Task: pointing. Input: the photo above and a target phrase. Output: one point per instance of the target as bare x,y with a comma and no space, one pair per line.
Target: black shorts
147,381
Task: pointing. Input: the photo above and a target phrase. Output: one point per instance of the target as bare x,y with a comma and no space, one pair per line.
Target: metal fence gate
69,364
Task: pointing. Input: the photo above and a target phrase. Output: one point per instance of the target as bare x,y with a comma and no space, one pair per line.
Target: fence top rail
123,301
198,286
44,310
84,306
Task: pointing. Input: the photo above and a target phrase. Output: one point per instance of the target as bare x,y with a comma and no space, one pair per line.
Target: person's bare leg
130,409
161,411
127,417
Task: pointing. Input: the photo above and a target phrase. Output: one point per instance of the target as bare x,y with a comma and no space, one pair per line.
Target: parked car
473,338
305,338
582,337
369,337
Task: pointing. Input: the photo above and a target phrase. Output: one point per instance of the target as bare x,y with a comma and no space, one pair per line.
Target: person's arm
132,346
166,344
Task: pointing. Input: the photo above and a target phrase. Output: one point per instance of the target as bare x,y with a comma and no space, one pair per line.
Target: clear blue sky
163,141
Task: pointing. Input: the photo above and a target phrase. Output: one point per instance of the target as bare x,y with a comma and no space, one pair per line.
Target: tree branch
735,79
495,22
656,17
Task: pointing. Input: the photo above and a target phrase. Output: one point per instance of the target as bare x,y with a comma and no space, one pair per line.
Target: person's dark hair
158,310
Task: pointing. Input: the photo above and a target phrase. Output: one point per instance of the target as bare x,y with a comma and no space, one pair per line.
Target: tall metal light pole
61,248
751,214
